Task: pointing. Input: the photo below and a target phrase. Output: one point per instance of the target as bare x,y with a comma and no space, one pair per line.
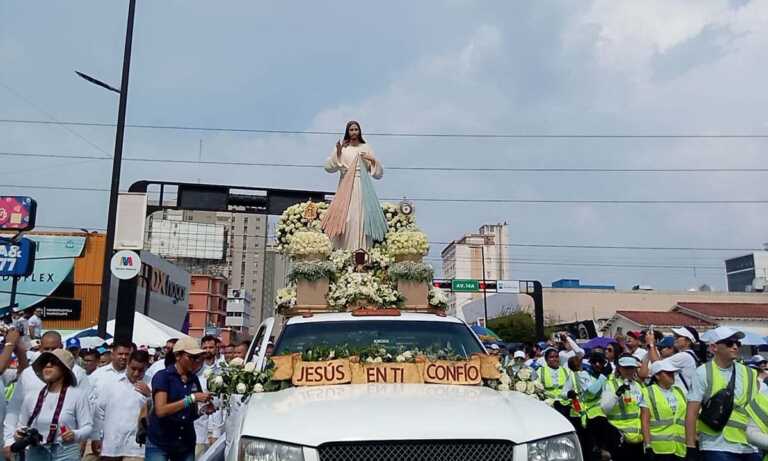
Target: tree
517,327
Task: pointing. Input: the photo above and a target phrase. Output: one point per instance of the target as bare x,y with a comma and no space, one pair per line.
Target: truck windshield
453,338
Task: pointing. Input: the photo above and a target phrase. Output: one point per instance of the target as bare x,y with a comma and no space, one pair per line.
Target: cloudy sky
601,67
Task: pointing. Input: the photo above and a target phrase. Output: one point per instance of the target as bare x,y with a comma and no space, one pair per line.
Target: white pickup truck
391,421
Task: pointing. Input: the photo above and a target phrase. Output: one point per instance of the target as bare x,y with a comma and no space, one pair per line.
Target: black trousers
605,436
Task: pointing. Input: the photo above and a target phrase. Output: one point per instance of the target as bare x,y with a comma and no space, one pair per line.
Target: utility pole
485,294
115,187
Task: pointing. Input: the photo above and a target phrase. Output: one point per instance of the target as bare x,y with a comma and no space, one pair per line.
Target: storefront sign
17,259
61,309
125,264
17,213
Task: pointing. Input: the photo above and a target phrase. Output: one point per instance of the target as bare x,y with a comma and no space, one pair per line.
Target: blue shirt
174,433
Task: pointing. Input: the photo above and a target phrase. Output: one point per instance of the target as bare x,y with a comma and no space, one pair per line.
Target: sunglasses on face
196,358
730,343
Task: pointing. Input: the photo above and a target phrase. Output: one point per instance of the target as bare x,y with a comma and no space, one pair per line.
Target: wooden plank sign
386,373
450,372
489,366
321,373
284,366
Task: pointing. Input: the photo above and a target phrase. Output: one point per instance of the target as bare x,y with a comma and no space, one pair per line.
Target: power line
405,134
467,200
395,168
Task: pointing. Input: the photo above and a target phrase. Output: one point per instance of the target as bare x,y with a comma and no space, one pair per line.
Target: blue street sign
17,259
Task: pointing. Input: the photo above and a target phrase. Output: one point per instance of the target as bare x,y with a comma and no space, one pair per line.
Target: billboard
17,259
17,213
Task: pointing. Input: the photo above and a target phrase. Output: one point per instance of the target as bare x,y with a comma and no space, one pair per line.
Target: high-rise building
466,257
748,272
231,245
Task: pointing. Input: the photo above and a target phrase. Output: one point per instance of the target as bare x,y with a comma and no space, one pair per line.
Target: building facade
465,259
748,272
208,307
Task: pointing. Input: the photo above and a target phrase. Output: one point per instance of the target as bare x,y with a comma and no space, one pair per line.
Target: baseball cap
494,347
188,345
629,361
757,360
662,365
519,355
687,332
635,334
668,341
72,343
723,333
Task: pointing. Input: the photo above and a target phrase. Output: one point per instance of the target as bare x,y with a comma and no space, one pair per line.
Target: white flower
250,367
530,388
207,373
257,388
503,387
237,362
218,381
331,354
524,374
505,379
378,360
408,355
369,360
538,386
400,358
550,402
241,388
520,386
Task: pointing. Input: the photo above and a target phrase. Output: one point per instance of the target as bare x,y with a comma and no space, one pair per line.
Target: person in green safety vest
662,414
573,391
553,377
621,403
757,429
731,442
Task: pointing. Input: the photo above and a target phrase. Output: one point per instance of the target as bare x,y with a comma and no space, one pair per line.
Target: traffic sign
17,259
508,286
466,286
125,264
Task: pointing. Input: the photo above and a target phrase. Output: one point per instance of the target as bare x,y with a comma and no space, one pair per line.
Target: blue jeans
55,452
154,453
725,456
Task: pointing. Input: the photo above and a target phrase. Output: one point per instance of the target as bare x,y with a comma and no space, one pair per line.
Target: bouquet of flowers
522,381
311,271
407,243
238,378
286,297
361,286
437,298
411,272
342,260
309,243
300,217
396,220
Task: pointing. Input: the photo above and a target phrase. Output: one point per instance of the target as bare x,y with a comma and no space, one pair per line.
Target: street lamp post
116,165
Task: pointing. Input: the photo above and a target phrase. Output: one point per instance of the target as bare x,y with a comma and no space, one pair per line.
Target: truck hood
312,416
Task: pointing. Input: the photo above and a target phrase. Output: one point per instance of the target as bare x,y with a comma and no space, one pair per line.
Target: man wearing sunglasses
729,444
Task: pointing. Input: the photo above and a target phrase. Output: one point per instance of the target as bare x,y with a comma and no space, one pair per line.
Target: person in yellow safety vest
553,377
573,389
731,442
621,403
757,429
662,414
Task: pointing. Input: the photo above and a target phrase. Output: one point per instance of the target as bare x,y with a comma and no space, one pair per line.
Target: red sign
17,213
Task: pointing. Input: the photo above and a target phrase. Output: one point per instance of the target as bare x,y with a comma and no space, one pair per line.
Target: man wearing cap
662,413
553,377
176,393
73,346
632,345
685,359
568,348
518,363
731,442
760,364
621,403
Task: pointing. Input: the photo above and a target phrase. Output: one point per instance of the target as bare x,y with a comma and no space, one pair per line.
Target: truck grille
421,450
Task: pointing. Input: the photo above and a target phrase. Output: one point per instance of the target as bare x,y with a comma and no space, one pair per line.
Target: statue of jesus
355,219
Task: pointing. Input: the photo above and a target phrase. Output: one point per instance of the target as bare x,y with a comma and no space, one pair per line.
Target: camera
31,438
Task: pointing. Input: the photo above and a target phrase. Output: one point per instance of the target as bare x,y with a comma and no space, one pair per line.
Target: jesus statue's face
354,132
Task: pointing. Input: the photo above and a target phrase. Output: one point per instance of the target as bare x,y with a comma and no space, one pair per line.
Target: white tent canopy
148,331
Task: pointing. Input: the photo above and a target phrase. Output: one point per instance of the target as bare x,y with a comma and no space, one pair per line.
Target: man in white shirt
571,349
116,419
634,340
28,383
160,364
120,354
684,359
35,324
208,427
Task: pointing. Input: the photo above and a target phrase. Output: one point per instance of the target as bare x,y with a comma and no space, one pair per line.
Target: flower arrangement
300,217
238,378
286,297
396,220
309,243
522,381
311,271
407,243
361,286
438,298
411,272
341,260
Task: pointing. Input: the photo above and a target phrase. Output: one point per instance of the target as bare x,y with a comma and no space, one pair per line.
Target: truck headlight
268,450
559,448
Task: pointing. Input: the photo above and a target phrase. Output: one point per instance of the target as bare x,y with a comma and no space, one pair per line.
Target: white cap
662,365
519,355
629,361
685,333
495,347
723,333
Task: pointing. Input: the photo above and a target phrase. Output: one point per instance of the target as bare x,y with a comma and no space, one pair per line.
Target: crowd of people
116,402
650,397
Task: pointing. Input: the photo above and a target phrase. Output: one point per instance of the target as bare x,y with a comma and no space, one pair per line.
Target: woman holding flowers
355,219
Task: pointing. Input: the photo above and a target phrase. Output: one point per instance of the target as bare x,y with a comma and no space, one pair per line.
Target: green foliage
311,271
518,327
411,272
